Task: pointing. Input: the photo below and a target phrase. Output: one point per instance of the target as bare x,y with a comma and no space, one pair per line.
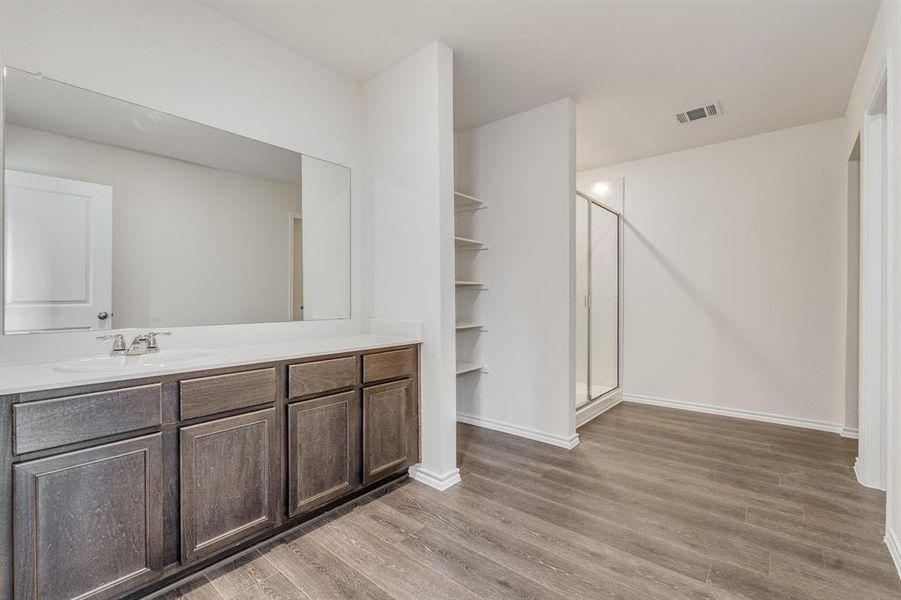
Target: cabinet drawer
387,365
60,421
321,376
220,393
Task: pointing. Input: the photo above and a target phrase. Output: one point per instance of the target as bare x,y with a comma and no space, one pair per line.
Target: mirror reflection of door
58,266
296,268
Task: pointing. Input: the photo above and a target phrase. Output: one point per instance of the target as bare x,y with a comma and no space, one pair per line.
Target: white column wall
409,268
523,166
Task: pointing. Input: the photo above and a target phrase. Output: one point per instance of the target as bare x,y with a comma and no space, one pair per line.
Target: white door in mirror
58,268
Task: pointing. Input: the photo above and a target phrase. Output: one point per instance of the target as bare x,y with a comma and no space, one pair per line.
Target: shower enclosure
599,278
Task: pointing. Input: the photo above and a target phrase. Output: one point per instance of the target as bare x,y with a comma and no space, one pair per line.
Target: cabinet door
229,482
323,450
89,524
390,423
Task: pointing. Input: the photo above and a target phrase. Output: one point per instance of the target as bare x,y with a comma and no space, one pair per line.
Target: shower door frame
619,304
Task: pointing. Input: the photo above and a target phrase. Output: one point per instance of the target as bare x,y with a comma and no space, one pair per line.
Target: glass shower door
603,353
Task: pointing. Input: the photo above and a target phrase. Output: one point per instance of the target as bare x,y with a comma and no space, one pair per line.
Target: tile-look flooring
654,503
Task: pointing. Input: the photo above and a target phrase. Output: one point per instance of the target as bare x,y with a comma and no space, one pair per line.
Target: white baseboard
862,480
596,408
894,548
439,482
850,432
525,432
737,413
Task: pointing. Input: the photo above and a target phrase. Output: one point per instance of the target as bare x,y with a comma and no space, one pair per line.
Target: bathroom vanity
124,469
113,489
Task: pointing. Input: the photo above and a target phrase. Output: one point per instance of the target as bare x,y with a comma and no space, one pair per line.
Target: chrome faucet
145,343
118,343
139,345
151,340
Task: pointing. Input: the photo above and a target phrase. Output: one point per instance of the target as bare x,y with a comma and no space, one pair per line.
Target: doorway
296,268
875,310
852,310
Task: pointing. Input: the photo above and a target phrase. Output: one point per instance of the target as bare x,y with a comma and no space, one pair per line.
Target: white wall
408,183
184,221
185,59
524,167
735,272
885,42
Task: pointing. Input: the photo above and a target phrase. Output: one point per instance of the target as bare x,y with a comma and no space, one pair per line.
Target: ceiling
629,65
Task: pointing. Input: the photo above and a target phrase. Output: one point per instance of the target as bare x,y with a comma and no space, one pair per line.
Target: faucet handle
118,341
151,339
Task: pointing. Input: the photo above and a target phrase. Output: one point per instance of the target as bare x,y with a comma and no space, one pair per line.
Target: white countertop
30,377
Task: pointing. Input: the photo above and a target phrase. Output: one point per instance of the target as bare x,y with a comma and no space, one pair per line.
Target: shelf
470,368
471,284
465,202
463,243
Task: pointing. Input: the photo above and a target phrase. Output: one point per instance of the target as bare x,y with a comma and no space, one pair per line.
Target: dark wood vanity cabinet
89,524
388,413
323,450
229,482
114,490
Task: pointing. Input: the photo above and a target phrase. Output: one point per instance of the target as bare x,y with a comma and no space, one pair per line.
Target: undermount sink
156,360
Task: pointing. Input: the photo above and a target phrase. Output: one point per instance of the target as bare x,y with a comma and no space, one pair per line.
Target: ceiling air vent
702,112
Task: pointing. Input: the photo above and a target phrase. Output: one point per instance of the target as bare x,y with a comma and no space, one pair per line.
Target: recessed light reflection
600,189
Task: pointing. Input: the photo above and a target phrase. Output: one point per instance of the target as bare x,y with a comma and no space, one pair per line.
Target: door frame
586,411
877,334
292,217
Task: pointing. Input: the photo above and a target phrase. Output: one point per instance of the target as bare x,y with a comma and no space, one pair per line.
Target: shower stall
599,293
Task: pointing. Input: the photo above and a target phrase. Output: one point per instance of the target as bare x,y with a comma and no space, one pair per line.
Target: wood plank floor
654,503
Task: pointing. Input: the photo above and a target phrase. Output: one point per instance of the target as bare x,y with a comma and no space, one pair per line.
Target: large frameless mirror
117,216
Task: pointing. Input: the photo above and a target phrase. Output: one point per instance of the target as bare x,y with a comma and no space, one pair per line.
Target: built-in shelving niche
470,286
465,202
